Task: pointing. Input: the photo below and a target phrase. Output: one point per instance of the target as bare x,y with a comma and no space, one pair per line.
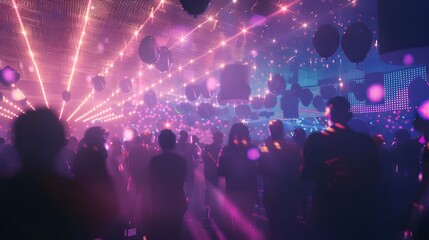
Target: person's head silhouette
218,138
167,139
183,136
95,135
299,134
276,129
239,136
38,136
338,110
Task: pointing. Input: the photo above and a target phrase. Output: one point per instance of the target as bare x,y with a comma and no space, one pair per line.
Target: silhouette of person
37,203
421,212
90,170
240,171
167,173
139,157
280,167
299,137
405,153
189,152
210,158
344,166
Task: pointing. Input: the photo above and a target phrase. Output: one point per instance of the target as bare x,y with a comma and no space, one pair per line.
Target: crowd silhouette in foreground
338,184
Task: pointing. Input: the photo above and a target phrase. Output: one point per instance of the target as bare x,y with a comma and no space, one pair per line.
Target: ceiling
54,27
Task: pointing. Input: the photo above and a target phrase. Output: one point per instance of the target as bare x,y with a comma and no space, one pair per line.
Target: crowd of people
336,185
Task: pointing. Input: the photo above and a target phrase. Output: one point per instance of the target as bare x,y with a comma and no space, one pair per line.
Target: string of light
30,52
76,57
122,52
210,51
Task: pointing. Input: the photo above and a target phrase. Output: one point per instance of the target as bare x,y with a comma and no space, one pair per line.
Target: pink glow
423,110
253,154
212,84
375,93
408,59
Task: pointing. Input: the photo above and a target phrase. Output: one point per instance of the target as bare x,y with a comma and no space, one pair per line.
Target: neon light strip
80,106
121,53
76,57
15,6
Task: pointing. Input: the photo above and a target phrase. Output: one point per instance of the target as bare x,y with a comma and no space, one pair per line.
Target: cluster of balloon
243,111
326,40
270,101
195,7
306,97
165,60
126,85
192,92
149,98
356,42
296,89
99,83
328,91
66,95
257,103
319,103
206,110
277,84
184,108
148,50
9,76
359,90
418,91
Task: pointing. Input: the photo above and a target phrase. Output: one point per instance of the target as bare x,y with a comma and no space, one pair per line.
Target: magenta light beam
76,57
30,51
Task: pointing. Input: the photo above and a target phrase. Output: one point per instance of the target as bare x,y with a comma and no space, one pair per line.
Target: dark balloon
296,89
356,42
148,50
165,60
326,40
99,83
195,7
9,76
319,103
66,95
306,97
149,98
277,84
257,103
206,110
192,92
126,85
418,91
328,91
270,101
